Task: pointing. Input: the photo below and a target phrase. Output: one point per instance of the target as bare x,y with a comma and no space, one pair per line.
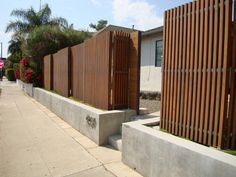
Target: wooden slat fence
91,71
198,91
103,71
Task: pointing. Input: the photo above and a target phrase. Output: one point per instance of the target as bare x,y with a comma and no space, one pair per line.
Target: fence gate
120,69
198,80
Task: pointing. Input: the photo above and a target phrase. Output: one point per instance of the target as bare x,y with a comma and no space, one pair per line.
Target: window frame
156,59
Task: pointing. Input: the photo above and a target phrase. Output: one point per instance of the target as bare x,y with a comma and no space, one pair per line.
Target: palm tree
15,44
100,25
29,19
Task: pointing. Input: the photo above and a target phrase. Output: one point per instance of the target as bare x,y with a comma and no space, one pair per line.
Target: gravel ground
151,105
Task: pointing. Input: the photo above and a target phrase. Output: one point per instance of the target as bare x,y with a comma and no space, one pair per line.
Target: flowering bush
17,74
24,62
22,68
16,69
27,74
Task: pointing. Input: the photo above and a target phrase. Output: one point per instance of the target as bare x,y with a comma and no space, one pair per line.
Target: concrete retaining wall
96,124
27,88
157,154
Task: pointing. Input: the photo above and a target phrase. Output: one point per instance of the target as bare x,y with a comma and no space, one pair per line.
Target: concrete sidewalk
34,142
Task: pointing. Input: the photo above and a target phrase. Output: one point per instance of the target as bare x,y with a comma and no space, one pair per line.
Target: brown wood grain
204,67
162,121
61,72
180,49
191,70
219,74
47,72
134,70
172,79
225,75
187,73
209,73
197,82
214,74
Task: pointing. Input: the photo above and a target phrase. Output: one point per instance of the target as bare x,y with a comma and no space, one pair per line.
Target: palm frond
17,26
59,21
44,14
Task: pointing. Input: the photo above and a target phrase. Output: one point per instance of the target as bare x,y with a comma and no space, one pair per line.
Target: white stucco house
151,60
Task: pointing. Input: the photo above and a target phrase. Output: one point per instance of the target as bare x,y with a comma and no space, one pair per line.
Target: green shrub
3,71
8,64
10,74
15,57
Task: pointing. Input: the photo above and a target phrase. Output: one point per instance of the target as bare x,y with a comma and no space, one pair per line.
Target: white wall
150,75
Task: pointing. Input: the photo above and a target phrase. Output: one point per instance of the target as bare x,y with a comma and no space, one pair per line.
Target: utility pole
40,5
1,50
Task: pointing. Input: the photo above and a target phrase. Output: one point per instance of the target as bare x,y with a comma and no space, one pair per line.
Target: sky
143,14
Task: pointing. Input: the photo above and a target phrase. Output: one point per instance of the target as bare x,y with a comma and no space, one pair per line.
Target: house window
158,55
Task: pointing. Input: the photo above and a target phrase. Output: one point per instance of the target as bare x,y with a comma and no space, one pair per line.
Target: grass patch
232,152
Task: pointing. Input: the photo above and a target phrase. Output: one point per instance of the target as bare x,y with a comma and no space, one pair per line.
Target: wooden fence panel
61,72
77,66
134,71
102,64
47,72
196,73
91,71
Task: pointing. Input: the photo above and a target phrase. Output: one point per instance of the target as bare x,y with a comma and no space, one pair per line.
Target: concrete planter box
27,88
96,124
157,154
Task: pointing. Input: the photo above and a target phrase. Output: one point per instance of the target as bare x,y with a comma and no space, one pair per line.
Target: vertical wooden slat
209,73
200,58
165,36
183,79
233,85
195,80
180,49
190,102
168,71
214,74
175,71
188,48
226,55
165,73
172,95
204,75
219,74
